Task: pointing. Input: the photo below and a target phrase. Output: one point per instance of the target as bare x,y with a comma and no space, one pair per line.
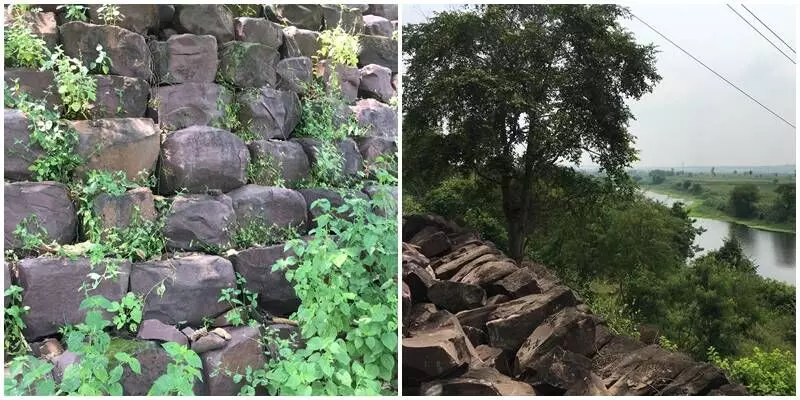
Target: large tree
511,92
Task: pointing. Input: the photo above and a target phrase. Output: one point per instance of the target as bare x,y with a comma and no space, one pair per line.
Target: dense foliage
509,92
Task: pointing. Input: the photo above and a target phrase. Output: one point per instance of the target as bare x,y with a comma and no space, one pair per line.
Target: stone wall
154,112
477,323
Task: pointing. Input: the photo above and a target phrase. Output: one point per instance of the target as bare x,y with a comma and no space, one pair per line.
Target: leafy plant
94,375
77,89
28,375
23,48
327,168
347,317
339,46
74,12
110,14
31,233
14,342
764,373
57,139
181,373
128,311
242,301
102,63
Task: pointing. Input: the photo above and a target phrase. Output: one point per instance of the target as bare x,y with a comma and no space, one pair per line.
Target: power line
762,35
766,26
714,72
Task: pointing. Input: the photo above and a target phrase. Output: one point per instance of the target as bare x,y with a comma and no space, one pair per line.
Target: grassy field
713,198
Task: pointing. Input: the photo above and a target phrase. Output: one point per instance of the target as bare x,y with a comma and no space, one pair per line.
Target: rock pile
477,323
158,111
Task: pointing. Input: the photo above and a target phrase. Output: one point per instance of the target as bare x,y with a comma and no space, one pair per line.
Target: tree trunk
516,238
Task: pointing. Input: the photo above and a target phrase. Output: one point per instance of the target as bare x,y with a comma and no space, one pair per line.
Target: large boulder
128,51
205,19
285,160
200,158
185,58
242,352
294,73
304,16
39,85
120,97
49,202
456,296
197,222
377,118
19,153
192,286
344,78
52,289
272,206
645,372
376,25
194,103
347,18
154,361
378,50
347,149
299,42
437,347
477,382
372,147
248,65
121,211
268,112
153,329
139,18
376,83
258,30
130,145
275,293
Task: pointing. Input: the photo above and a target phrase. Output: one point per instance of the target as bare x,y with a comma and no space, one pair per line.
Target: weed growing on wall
264,170
110,14
182,372
57,138
102,64
127,312
14,343
23,49
764,373
339,46
242,301
78,90
28,375
74,12
258,233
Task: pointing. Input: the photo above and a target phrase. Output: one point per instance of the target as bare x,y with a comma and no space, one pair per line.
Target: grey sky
693,117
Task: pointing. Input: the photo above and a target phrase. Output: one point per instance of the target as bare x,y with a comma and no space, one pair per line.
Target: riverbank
698,209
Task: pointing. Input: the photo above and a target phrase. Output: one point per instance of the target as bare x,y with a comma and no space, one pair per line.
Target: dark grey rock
52,291
153,329
388,11
128,51
48,201
179,106
192,287
269,205
119,211
275,293
372,147
376,83
270,113
196,222
39,85
378,26
207,343
258,30
294,73
304,16
286,157
378,50
185,58
200,158
299,42
139,18
205,19
348,18
242,351
377,118
246,64
120,97
19,152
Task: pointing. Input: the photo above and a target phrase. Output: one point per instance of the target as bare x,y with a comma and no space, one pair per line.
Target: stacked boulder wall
531,336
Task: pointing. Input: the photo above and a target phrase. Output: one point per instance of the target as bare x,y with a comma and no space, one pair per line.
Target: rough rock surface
275,293
377,118
245,64
304,16
347,18
299,42
378,26
258,30
120,211
270,113
242,351
288,159
48,201
179,106
533,336
39,85
205,19
153,329
185,58
199,277
294,73
198,222
372,147
272,206
378,50
128,51
19,153
130,145
139,18
376,83
200,158
120,97
52,291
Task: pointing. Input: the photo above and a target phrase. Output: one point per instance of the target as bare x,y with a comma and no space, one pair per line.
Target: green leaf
389,339
339,259
344,377
116,374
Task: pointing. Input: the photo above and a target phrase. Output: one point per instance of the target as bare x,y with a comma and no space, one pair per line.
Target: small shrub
102,64
339,46
14,342
764,373
242,301
264,171
256,233
23,48
109,14
128,312
28,375
77,89
74,12
181,372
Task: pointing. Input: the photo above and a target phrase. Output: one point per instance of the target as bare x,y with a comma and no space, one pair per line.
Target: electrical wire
768,28
714,72
762,35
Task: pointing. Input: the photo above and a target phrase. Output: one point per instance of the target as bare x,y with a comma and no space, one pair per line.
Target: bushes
764,373
23,48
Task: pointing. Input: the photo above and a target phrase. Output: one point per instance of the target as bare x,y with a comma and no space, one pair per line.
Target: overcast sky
693,117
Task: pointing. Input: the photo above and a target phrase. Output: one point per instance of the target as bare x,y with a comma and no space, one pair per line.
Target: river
773,252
